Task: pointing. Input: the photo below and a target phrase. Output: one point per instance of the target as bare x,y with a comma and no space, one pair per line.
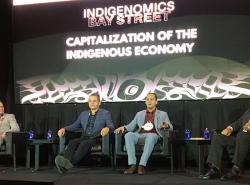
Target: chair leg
111,154
14,157
172,160
172,168
114,161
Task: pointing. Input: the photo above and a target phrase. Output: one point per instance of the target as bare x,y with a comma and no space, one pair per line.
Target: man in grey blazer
152,124
7,123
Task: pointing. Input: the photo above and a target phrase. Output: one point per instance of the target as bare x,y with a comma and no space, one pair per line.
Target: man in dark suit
240,128
95,123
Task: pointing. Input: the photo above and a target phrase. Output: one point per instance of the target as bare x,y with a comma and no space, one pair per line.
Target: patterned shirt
150,117
90,125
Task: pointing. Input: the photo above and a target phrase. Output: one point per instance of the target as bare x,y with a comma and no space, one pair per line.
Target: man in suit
7,124
240,128
95,123
152,124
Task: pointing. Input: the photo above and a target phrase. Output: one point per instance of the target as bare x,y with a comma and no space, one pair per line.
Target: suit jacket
139,119
238,125
103,119
8,123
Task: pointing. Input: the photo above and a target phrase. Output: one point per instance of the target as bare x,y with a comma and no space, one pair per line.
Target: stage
105,176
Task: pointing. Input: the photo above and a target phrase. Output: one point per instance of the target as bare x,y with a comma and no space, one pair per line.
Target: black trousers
220,142
79,148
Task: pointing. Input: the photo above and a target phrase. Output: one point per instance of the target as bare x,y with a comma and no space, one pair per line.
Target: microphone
1,114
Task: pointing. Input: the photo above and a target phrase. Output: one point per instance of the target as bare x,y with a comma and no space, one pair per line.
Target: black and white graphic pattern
187,78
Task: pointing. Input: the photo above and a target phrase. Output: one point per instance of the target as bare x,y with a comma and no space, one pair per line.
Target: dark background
183,114
39,33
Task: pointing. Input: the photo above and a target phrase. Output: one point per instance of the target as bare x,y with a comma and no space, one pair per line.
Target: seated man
7,124
241,128
94,123
151,123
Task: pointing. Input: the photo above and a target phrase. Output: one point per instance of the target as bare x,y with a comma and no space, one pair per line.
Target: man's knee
242,138
129,135
217,138
151,139
72,142
87,142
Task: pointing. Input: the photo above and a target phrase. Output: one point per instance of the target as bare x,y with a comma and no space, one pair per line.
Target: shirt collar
152,112
90,113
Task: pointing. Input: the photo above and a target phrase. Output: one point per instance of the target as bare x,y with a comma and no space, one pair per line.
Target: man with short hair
152,124
240,128
95,123
8,123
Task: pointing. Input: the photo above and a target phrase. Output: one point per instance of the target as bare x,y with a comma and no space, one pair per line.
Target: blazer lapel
143,117
156,118
96,120
85,120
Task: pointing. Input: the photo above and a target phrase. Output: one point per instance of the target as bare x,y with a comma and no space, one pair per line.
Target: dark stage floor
105,176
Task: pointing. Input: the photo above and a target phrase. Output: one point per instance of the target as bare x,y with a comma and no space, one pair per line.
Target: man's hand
119,130
164,125
105,131
246,127
61,132
2,135
227,131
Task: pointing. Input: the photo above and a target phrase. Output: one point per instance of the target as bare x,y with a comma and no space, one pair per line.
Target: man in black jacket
241,128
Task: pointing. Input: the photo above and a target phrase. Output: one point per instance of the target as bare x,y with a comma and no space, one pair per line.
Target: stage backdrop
54,63
65,51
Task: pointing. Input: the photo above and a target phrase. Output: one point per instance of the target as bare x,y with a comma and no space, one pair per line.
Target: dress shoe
62,164
229,176
232,175
68,165
131,170
60,169
211,174
141,170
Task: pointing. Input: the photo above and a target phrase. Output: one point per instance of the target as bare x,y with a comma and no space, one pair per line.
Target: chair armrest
63,140
165,145
8,143
118,143
167,141
62,144
105,145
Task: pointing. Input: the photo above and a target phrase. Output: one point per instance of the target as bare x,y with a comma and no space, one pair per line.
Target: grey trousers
131,139
219,142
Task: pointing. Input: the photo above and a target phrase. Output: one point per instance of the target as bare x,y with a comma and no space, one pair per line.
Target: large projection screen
65,51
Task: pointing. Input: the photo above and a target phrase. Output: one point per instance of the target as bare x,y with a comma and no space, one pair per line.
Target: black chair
11,140
104,149
162,148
